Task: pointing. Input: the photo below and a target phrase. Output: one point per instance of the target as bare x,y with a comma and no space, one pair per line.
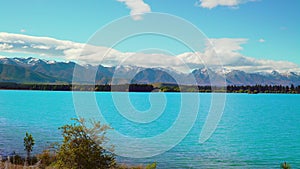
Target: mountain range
33,70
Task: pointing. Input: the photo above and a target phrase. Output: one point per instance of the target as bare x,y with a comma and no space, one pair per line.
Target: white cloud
40,47
37,45
228,52
214,3
261,40
137,7
5,46
227,46
227,49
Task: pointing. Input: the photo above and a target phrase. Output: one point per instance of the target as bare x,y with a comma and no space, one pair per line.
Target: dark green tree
28,145
82,147
292,88
285,165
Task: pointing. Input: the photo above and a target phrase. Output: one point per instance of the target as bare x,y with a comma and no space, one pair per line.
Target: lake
256,131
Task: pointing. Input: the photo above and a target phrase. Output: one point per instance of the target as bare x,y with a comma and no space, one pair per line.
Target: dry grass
124,166
7,165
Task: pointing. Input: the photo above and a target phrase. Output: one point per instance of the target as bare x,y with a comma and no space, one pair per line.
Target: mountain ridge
33,70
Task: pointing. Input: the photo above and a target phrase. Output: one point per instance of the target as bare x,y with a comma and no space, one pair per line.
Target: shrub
82,147
47,158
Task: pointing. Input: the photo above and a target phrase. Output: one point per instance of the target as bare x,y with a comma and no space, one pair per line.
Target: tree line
154,88
72,87
264,89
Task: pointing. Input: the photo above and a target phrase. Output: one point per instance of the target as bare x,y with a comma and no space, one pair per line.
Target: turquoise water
256,131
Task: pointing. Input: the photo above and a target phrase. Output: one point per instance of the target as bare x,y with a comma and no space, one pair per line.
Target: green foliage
140,88
47,158
151,166
154,87
285,165
82,147
28,144
169,89
124,166
263,89
17,159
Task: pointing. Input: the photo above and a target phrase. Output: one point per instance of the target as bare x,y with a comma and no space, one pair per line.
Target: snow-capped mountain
44,71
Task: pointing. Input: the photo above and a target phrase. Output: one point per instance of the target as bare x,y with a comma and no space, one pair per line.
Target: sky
263,34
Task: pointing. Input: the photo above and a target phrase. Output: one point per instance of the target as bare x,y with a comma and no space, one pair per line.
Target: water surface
256,131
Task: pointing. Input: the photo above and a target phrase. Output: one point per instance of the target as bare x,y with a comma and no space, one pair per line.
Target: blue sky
271,27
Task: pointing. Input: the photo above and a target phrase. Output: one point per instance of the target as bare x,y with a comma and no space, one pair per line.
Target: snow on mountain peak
51,62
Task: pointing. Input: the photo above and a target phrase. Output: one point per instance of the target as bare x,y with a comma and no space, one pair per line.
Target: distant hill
151,76
33,70
14,73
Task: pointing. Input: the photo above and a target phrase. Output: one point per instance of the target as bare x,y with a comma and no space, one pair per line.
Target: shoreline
158,87
29,90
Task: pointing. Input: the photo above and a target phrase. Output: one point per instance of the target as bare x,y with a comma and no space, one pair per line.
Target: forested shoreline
153,88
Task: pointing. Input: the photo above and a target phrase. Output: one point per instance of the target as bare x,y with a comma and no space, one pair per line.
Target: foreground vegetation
82,148
159,87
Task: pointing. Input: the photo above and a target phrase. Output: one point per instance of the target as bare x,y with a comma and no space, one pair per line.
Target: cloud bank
137,7
227,49
214,3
